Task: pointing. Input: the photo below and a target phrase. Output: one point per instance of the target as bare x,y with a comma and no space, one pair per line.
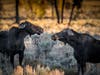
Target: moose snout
54,37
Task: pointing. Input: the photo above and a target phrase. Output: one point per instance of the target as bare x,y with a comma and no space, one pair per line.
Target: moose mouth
55,37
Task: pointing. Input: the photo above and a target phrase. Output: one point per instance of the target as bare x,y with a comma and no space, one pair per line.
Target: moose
12,41
86,47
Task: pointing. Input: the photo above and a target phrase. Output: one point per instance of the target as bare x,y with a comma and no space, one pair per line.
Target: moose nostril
56,37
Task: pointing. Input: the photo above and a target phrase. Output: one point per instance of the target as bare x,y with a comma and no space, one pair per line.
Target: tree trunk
0,5
78,4
73,6
17,11
56,9
62,11
0,8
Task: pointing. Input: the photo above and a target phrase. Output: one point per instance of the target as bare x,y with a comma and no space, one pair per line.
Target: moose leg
83,68
21,55
79,68
12,60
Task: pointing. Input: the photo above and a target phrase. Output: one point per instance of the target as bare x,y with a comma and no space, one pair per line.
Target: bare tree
0,8
78,5
52,4
57,11
17,11
62,11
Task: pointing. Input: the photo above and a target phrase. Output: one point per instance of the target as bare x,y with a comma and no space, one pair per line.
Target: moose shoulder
86,47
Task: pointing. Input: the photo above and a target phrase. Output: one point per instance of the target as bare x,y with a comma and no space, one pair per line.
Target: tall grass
39,70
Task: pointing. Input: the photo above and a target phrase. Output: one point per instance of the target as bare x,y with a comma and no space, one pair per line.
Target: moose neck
23,34
73,44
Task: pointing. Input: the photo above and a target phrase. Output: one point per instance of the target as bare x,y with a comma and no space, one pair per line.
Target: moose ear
70,32
22,25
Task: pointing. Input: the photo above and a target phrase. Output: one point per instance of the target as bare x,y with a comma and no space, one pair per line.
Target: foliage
48,52
36,7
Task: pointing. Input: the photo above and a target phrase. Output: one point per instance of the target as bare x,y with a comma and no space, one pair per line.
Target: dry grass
18,71
28,70
51,26
90,15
